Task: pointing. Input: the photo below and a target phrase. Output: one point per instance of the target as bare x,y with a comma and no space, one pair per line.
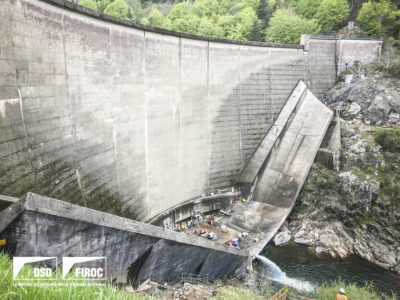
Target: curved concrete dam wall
132,120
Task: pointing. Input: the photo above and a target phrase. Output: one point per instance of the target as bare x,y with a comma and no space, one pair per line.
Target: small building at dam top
136,121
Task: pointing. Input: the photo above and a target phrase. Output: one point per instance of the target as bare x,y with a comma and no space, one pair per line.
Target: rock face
366,99
337,240
344,213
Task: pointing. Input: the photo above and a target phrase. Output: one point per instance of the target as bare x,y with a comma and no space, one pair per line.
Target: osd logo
43,268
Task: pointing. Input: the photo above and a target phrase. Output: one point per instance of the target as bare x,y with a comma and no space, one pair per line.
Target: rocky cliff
356,210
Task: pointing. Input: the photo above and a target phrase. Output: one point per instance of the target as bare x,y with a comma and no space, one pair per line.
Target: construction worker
341,295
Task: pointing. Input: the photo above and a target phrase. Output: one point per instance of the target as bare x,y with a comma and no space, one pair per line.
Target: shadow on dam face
239,122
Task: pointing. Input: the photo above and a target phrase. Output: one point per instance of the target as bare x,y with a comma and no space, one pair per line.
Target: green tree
179,11
208,28
287,27
331,13
184,20
244,23
136,9
119,9
208,8
257,32
262,10
226,23
155,18
378,18
249,3
129,16
88,4
102,4
307,8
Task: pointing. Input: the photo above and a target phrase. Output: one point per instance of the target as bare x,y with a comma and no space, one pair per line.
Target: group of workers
180,227
239,237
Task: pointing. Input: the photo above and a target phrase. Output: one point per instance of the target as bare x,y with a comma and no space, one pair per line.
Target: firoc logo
41,268
84,267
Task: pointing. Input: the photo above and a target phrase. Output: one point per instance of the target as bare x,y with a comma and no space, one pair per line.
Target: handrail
281,294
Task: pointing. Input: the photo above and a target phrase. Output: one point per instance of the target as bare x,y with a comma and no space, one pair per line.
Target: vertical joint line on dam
146,125
239,95
208,115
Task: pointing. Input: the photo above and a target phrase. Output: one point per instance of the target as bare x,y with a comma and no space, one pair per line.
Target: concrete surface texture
364,51
132,120
41,226
281,176
328,155
271,139
329,56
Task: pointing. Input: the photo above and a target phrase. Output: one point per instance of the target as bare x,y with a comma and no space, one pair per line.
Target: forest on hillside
275,21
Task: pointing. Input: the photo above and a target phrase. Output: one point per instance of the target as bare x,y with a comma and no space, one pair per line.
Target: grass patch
234,293
9,290
353,292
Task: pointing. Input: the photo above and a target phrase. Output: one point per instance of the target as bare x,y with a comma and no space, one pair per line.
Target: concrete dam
124,120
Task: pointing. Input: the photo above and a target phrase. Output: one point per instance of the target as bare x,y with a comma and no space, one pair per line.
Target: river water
299,267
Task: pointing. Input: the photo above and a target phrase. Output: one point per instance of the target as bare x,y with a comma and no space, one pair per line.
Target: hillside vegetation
277,21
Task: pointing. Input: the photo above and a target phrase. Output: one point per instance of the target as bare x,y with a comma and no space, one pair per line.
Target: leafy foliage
119,9
102,4
156,19
279,21
331,13
378,17
286,27
389,139
88,4
307,8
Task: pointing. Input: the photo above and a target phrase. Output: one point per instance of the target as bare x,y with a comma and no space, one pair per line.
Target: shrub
389,139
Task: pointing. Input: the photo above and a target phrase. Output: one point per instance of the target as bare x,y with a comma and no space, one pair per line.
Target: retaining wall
41,226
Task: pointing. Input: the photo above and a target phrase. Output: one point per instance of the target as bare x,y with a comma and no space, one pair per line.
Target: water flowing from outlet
274,273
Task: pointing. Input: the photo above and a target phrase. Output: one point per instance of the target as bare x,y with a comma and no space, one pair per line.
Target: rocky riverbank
356,210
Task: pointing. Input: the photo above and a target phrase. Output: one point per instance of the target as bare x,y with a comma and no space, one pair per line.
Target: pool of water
300,263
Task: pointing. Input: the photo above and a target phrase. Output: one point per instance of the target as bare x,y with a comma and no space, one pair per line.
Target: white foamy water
275,273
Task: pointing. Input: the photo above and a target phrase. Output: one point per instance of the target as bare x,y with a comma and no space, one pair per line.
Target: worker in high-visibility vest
341,295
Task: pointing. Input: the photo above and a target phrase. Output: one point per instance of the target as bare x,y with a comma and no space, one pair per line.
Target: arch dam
124,122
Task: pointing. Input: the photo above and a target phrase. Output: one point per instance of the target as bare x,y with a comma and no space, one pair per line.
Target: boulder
354,109
283,237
